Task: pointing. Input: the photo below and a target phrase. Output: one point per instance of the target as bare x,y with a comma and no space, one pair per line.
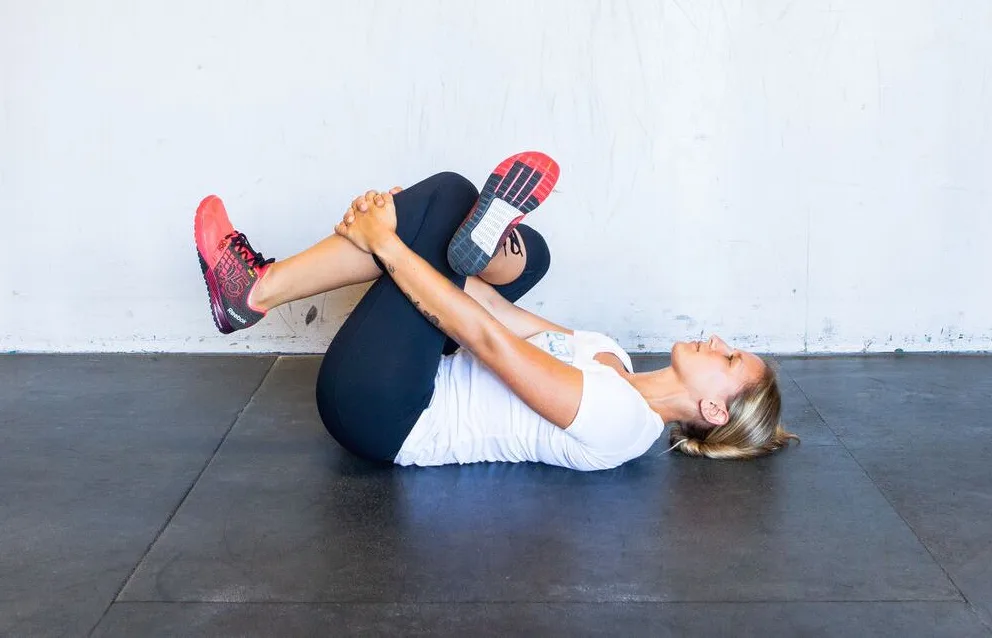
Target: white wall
793,175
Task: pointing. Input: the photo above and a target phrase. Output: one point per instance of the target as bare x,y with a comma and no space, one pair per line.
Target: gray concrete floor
200,496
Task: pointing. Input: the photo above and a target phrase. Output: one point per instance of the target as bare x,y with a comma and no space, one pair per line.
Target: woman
392,386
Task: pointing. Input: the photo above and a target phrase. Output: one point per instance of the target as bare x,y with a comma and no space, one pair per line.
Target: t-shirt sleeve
614,424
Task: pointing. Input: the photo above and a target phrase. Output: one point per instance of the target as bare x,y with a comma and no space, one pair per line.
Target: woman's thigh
378,373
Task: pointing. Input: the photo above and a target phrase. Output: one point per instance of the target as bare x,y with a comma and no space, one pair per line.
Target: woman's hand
370,217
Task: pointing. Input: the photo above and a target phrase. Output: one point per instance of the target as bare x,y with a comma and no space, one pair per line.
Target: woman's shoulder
614,422
597,342
604,389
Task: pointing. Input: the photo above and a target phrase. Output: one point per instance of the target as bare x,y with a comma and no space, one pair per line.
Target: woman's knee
447,199
456,185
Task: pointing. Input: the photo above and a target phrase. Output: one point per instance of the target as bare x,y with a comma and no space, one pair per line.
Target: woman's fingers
360,204
373,197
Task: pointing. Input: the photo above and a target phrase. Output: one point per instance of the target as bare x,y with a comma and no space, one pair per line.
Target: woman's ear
715,412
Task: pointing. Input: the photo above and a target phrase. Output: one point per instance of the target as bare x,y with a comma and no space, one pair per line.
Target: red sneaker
230,267
517,186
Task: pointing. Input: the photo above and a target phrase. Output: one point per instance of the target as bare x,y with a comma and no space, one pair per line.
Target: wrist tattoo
391,268
434,319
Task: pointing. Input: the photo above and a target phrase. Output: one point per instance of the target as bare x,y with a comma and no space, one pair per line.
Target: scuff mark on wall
828,328
679,6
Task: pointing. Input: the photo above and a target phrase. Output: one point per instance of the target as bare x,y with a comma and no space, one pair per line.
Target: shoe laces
515,243
249,254
512,244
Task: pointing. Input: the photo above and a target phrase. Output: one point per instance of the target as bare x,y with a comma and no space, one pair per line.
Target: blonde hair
752,430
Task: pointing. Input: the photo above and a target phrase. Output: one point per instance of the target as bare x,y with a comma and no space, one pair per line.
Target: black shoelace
514,244
249,254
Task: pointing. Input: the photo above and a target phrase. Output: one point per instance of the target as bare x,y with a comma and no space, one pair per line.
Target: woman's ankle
508,263
261,297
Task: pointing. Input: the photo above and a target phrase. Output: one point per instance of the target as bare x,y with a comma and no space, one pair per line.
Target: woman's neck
664,392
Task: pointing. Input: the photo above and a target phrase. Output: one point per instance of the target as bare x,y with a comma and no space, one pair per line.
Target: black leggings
378,374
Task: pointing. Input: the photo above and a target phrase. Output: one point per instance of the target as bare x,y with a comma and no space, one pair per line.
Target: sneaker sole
213,294
213,290
518,186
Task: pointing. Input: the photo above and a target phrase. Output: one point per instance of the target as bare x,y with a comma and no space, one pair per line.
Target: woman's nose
717,343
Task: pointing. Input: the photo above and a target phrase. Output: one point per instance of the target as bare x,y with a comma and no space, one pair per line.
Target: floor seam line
816,411
888,502
192,485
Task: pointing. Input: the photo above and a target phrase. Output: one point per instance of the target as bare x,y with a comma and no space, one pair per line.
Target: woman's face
713,372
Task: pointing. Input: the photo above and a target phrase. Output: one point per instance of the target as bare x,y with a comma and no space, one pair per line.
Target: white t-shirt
474,416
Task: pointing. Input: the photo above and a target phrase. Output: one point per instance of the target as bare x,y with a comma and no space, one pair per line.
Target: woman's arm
550,387
517,320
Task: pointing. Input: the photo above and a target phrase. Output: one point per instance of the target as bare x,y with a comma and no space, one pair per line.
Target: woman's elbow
492,342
